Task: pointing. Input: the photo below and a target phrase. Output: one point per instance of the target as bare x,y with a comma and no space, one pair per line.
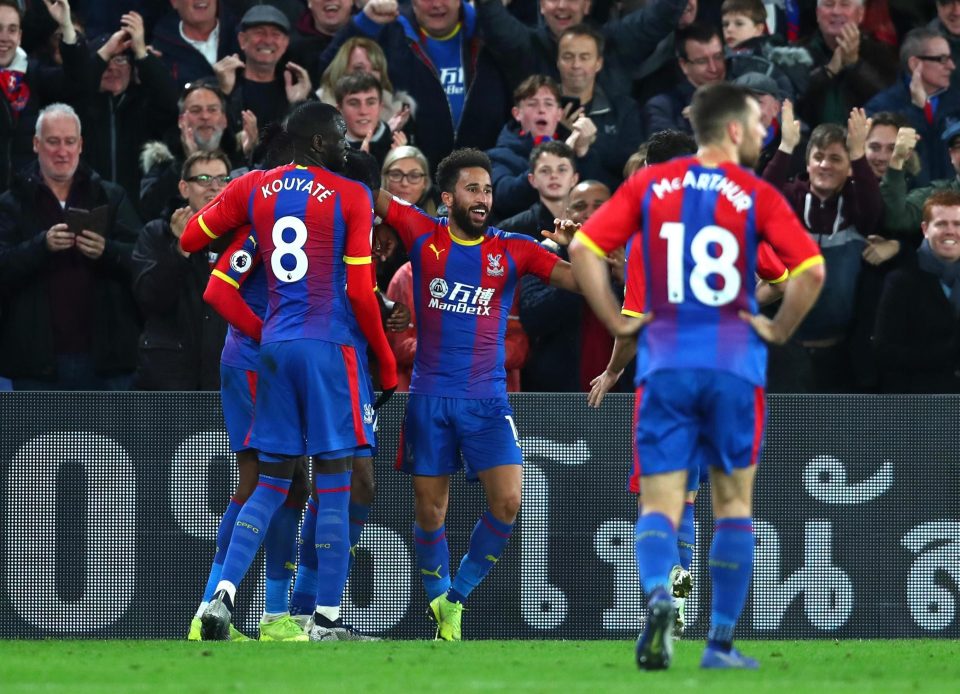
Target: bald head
585,199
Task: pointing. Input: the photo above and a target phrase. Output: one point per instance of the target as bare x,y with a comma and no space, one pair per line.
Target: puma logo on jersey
436,252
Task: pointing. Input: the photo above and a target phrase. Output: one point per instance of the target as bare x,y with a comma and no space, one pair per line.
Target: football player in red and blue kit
312,227
701,358
465,275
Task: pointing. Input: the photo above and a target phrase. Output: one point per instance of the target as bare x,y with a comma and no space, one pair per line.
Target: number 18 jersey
309,224
699,228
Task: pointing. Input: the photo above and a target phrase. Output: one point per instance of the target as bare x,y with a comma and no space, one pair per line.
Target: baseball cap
758,83
265,14
952,131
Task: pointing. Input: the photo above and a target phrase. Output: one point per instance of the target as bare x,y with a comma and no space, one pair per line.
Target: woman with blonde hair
406,174
360,54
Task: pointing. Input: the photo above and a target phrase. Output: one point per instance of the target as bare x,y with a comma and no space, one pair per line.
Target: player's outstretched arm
563,277
799,297
624,349
593,279
381,202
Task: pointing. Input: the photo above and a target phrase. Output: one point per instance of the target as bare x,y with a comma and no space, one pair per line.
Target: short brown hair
827,134
589,31
355,83
753,9
200,155
940,198
889,118
715,105
533,84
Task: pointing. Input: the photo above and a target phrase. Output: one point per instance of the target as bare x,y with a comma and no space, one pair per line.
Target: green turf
411,667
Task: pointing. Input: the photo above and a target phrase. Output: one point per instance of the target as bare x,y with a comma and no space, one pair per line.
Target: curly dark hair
448,172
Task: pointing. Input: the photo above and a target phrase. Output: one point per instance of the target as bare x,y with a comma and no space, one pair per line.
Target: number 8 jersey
699,228
309,224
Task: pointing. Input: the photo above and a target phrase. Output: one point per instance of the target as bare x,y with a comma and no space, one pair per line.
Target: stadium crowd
120,119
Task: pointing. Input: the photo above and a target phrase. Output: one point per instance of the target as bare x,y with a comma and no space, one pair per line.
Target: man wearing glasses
924,96
948,24
182,336
201,127
701,59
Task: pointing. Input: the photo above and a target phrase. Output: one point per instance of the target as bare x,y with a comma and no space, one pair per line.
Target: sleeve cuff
806,265
589,243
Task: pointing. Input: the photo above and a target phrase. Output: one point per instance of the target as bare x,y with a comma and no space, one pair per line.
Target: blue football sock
731,566
433,559
686,536
332,540
358,518
304,597
224,532
251,526
487,542
279,548
656,547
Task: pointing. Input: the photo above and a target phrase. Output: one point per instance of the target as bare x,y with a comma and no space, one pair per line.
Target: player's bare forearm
593,279
381,202
799,297
624,349
768,293
563,277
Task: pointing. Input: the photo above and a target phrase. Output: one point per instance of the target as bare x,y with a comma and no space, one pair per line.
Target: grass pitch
412,667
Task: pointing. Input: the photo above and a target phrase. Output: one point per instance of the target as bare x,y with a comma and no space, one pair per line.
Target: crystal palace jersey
463,291
309,224
769,269
699,230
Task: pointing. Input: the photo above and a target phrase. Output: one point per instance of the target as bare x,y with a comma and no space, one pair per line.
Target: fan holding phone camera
69,319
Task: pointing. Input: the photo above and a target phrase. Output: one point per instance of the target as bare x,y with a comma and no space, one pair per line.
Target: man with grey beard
201,126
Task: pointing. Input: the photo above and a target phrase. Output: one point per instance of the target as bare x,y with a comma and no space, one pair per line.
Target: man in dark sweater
838,200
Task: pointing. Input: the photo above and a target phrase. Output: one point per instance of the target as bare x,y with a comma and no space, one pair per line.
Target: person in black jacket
30,86
130,99
68,319
616,118
434,54
917,334
523,50
182,336
359,97
194,37
553,174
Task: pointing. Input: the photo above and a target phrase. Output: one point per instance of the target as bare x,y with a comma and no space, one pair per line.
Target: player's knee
299,491
430,514
363,485
245,488
332,466
506,508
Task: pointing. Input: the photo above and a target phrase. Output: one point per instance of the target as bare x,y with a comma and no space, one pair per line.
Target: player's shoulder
344,183
747,178
511,239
